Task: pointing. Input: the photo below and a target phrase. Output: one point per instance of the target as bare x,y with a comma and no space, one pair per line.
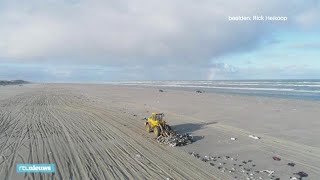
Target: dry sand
53,124
96,132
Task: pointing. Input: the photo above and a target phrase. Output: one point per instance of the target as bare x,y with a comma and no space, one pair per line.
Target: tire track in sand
54,125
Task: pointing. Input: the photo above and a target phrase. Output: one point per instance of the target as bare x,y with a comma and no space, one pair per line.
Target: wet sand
96,131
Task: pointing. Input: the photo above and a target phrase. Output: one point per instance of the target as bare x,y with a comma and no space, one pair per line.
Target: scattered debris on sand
244,169
301,174
291,164
199,91
175,139
293,178
276,158
160,90
196,155
254,137
138,155
269,172
233,139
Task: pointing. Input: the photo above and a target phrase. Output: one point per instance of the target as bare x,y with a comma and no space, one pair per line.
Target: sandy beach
92,131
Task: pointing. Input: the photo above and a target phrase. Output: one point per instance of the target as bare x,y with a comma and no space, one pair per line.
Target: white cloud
309,19
221,71
136,29
176,36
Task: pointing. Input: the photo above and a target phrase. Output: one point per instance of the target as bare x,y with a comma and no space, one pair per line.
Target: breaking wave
293,88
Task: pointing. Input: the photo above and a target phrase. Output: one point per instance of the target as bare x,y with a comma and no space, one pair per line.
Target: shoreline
277,93
223,91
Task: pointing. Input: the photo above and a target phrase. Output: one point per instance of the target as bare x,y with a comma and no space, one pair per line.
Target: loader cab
157,117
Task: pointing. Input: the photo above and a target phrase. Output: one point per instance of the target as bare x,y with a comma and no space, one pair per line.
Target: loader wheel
148,128
156,131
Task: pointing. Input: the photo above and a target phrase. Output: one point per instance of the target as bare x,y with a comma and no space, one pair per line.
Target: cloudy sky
106,40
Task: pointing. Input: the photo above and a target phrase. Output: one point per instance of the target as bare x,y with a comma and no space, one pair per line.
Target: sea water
298,89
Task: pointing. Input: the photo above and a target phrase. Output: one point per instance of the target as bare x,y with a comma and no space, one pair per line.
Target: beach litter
206,158
196,155
233,139
291,164
244,170
269,172
254,137
175,139
138,156
160,90
301,174
293,178
276,158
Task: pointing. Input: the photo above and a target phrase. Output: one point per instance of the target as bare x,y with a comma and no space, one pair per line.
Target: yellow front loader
157,124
